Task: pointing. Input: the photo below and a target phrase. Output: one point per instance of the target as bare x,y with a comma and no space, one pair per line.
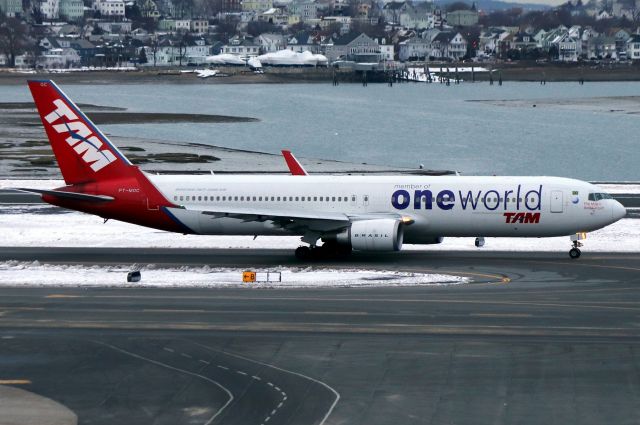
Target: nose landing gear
575,252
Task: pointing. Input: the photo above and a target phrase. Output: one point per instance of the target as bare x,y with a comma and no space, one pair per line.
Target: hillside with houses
134,34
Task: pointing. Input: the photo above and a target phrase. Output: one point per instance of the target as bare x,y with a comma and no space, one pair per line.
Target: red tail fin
84,154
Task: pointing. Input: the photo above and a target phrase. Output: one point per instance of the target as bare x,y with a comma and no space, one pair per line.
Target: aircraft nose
617,211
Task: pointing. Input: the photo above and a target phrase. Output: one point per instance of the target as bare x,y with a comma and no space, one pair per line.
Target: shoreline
523,72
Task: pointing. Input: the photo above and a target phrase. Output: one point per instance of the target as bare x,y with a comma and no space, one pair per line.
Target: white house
71,10
271,42
450,45
50,9
11,8
415,48
633,47
109,7
241,47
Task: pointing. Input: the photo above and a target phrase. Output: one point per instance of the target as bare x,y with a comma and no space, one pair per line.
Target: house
11,8
600,47
462,18
304,10
175,25
275,15
414,19
71,10
58,57
256,6
123,27
50,9
199,26
633,47
271,42
241,47
355,47
522,41
149,9
173,52
109,7
415,48
344,22
304,41
392,11
85,49
449,44
569,48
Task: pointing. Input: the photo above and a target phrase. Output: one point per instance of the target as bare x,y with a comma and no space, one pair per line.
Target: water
405,125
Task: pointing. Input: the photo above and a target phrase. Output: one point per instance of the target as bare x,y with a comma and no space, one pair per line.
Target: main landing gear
327,251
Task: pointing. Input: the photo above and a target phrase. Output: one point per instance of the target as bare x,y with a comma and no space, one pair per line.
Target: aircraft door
556,201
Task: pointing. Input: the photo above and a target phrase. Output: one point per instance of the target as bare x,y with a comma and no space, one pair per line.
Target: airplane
345,213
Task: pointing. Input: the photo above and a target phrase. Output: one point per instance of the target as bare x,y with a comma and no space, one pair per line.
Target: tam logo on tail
81,138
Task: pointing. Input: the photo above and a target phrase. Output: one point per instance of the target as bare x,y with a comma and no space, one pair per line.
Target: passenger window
290,198
321,198
303,198
273,198
199,198
235,198
315,198
182,198
278,199
254,198
339,198
175,198
353,198
217,198
296,199
260,198
333,199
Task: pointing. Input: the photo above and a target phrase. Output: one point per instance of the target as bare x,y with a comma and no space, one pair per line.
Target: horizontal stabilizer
69,195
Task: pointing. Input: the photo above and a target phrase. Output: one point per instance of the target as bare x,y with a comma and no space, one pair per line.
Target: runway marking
204,361
63,296
241,372
277,388
15,382
161,310
267,420
222,367
584,264
317,381
270,384
499,315
257,378
280,405
168,349
186,355
273,412
157,363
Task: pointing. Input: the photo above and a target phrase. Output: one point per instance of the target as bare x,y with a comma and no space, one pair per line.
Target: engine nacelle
373,235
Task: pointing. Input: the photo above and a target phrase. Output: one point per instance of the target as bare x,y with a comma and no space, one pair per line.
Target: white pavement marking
267,420
257,378
336,393
273,412
270,384
277,388
186,355
280,405
241,372
157,363
222,367
203,361
168,349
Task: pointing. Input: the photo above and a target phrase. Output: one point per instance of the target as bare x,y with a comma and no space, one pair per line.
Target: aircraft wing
291,220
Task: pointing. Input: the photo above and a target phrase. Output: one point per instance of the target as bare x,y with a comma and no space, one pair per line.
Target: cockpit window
599,196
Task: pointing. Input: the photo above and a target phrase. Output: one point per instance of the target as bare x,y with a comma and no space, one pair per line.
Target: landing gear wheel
303,253
574,253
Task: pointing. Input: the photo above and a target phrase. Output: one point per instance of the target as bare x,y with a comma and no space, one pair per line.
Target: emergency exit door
556,201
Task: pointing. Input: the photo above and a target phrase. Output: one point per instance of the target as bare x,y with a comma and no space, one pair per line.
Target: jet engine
373,235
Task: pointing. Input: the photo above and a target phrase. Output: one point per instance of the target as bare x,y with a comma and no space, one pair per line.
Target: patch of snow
13,273
29,226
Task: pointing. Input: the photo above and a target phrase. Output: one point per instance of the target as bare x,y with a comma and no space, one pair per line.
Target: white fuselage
437,205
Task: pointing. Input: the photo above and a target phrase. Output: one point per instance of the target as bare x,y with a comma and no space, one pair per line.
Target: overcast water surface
406,125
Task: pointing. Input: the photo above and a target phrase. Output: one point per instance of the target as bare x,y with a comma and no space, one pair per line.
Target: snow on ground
22,226
13,273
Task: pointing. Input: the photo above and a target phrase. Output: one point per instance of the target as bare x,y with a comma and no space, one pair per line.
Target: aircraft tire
574,253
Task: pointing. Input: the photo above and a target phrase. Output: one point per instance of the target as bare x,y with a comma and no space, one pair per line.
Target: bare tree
13,38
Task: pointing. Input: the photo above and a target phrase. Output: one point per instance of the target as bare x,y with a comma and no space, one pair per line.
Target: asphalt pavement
533,338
